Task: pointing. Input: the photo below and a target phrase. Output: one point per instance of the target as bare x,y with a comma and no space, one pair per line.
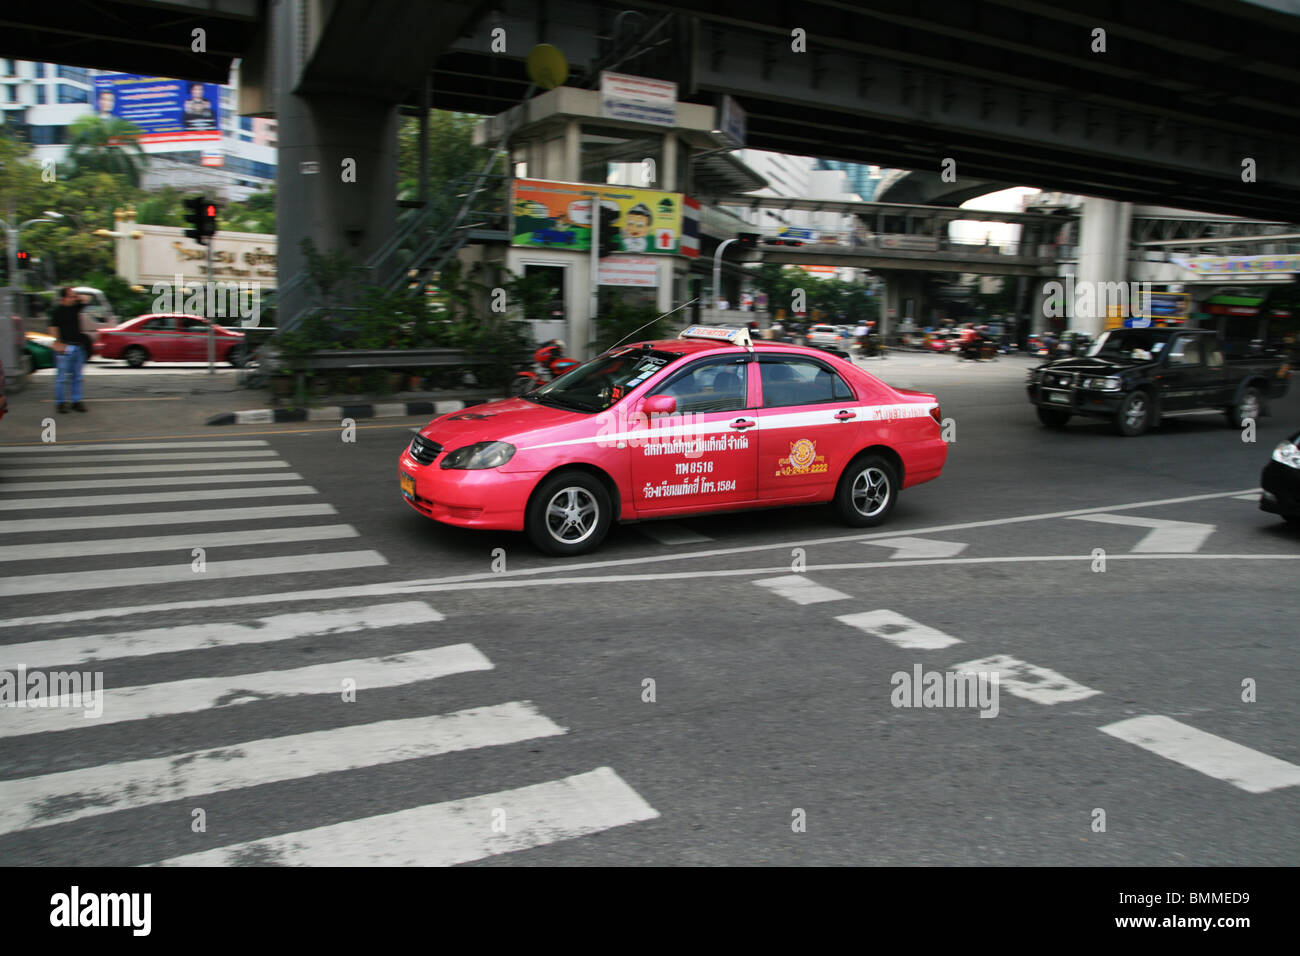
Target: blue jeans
68,364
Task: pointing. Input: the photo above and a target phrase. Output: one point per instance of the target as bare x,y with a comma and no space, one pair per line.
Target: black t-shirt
67,319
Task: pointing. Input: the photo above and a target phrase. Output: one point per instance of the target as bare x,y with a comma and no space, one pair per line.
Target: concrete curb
335,413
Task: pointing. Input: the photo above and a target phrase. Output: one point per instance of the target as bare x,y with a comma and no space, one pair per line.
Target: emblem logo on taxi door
803,460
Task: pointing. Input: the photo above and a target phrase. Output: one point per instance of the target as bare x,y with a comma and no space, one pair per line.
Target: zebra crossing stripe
71,651
138,469
175,542
216,693
458,831
1213,756
52,448
149,497
159,456
182,572
897,629
76,794
169,482
797,588
163,518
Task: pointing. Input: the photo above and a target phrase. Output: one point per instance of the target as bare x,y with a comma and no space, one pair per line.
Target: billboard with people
166,111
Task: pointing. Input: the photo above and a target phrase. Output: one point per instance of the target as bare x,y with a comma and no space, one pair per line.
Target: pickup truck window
1186,350
1213,355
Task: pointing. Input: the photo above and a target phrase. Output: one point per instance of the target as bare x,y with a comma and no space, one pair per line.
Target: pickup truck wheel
1134,415
1053,417
867,491
1249,405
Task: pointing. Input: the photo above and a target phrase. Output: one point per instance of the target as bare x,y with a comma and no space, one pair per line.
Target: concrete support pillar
668,174
572,151
1103,257
320,131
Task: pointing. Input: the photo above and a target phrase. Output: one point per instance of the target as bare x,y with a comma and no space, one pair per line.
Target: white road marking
670,533
1166,537
166,482
919,547
52,448
1213,756
140,469
149,497
214,693
458,831
1254,497
153,519
181,572
897,629
71,651
149,456
799,589
93,791
1029,681
178,542
476,582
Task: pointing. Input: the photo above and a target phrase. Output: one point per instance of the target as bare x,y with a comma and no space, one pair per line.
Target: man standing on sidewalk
72,346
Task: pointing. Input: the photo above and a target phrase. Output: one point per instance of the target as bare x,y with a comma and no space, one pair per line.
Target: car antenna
652,322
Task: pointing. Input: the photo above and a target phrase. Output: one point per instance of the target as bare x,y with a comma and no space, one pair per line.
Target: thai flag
690,244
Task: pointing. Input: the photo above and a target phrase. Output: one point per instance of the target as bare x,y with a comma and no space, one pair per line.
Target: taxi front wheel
569,514
867,491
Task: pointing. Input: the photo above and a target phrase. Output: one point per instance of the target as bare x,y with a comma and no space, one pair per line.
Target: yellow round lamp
547,66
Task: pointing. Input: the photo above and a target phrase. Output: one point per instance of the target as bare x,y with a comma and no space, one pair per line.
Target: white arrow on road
919,547
1166,537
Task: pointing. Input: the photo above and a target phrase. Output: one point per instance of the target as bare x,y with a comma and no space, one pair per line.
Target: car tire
1053,417
135,355
1292,520
1249,405
237,356
867,492
1135,414
569,514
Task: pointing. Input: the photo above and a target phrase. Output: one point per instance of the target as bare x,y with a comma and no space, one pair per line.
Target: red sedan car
168,338
706,422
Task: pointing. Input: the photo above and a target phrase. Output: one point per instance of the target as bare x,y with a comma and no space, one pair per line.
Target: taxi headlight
484,454
1102,384
1288,453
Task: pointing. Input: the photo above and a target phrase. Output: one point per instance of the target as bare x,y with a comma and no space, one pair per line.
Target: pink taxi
707,422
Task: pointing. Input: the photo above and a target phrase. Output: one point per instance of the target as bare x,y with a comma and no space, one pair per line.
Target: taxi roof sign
719,333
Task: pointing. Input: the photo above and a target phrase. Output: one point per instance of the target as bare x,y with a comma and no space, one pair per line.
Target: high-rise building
861,179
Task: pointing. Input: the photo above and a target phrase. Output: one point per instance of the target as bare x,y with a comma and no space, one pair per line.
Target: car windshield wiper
558,402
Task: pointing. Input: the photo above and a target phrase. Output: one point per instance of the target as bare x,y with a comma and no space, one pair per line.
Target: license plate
1058,397
408,485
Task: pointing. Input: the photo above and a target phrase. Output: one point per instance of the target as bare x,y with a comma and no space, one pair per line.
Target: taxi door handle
741,424
845,416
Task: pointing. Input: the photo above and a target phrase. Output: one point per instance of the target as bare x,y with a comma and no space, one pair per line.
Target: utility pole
717,271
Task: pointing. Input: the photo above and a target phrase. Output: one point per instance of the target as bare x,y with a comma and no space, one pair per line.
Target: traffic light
773,241
24,259
748,240
608,234
202,217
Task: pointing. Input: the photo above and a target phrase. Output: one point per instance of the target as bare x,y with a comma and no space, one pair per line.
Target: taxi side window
1186,351
799,381
716,386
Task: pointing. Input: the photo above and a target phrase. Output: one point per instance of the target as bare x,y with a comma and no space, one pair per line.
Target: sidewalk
160,401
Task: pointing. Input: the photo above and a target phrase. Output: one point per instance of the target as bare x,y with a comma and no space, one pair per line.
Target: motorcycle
549,362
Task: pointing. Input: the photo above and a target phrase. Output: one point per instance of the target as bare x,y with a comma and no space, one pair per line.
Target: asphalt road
502,715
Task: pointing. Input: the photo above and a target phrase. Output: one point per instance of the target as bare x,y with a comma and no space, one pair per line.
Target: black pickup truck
1133,377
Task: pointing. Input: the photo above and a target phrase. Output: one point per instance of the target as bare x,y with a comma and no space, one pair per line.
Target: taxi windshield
602,382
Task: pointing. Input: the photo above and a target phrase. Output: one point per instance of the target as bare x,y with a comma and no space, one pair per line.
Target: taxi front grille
424,451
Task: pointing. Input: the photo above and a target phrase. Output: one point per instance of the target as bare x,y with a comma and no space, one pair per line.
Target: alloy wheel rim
1137,411
870,492
571,515
1250,406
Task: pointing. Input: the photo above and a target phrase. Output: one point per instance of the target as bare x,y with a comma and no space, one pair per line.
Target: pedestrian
72,347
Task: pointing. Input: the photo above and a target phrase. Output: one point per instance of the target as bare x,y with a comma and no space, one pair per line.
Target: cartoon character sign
636,228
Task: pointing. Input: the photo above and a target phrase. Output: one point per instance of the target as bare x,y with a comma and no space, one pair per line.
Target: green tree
109,145
254,214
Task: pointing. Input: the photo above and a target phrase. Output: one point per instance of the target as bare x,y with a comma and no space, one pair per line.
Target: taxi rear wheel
867,491
569,514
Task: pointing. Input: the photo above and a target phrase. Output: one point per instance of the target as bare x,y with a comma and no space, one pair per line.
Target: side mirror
659,405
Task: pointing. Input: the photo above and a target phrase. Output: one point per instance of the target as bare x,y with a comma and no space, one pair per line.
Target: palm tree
109,145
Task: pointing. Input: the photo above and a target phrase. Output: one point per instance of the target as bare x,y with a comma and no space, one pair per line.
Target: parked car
826,335
169,338
1134,376
38,352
